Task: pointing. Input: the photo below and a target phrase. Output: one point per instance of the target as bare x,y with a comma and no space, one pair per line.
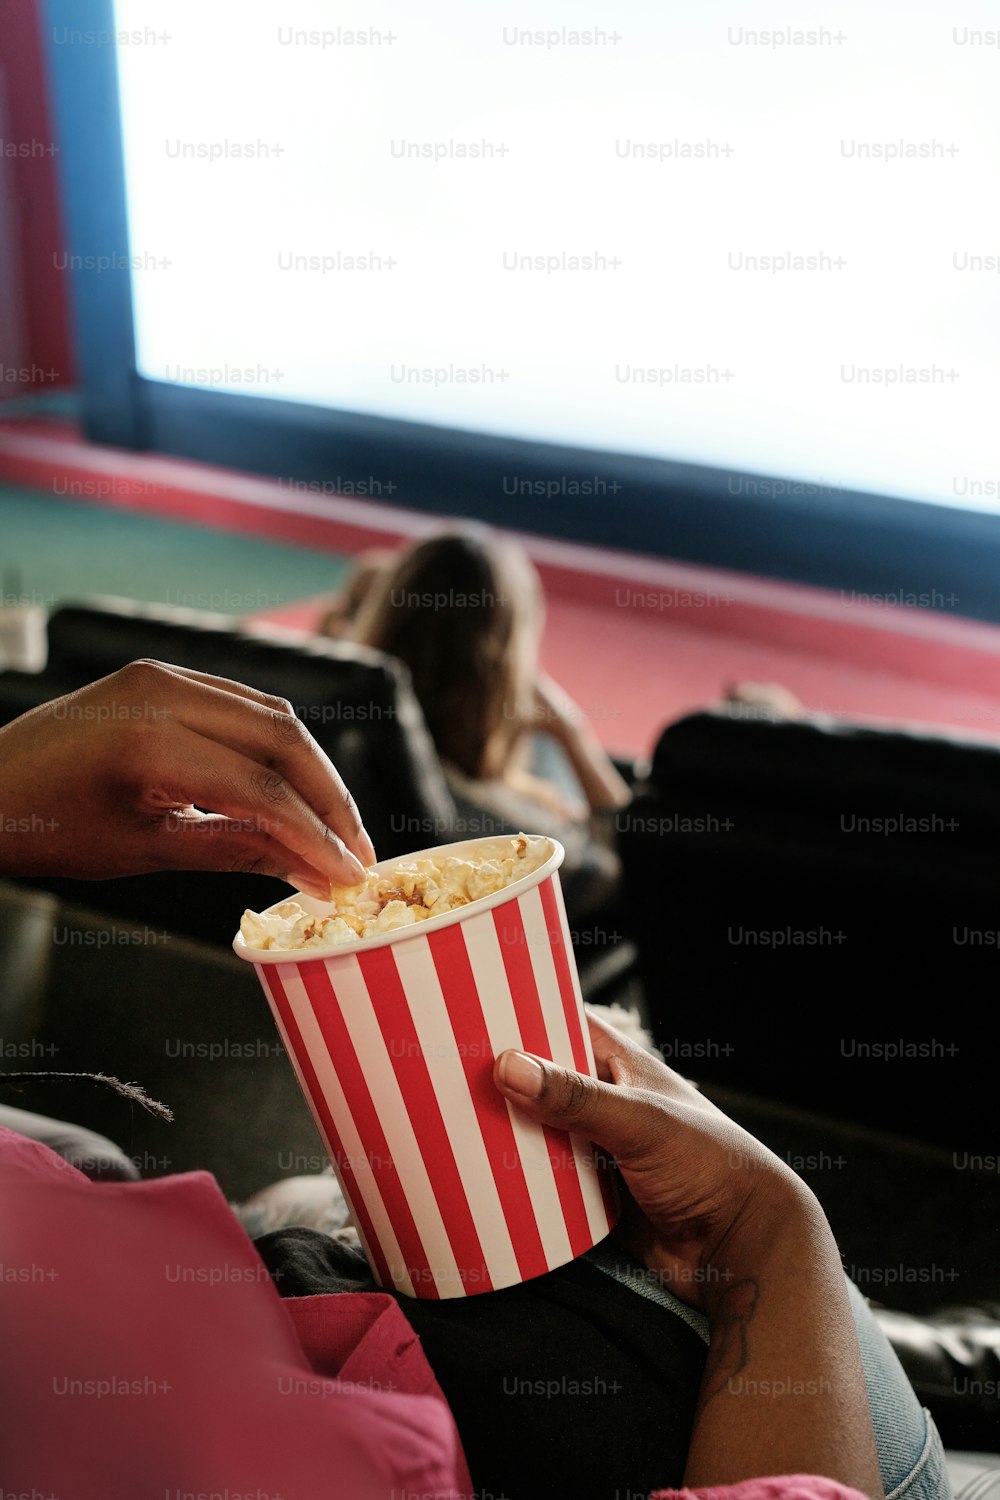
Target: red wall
35,332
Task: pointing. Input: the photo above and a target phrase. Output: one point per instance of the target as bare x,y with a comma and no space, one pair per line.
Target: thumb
604,1112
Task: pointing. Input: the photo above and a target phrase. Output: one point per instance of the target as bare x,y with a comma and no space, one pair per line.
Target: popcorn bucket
393,1038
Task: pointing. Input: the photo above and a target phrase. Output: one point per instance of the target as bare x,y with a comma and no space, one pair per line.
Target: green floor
53,550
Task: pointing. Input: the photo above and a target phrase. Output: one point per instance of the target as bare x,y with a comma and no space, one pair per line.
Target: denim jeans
910,1452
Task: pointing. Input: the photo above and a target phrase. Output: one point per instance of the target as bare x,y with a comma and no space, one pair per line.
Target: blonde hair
463,610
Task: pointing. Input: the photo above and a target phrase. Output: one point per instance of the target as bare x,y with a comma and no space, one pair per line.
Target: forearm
601,784
784,1389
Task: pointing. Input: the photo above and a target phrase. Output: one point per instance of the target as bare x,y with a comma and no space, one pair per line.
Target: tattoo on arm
727,1350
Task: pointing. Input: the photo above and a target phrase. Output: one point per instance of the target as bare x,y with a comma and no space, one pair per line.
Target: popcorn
410,891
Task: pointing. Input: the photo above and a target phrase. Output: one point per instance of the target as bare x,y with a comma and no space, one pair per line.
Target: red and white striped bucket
393,1040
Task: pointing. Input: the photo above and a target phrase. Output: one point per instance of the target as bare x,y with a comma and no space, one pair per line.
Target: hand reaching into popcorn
109,781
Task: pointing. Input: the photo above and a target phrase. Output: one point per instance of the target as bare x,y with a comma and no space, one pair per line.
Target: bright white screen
751,368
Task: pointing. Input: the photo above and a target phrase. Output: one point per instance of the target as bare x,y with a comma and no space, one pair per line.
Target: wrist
780,1224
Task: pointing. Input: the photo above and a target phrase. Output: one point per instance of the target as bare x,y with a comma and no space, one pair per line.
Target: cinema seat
817,911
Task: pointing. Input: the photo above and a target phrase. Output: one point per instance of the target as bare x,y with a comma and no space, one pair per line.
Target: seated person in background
342,607
463,610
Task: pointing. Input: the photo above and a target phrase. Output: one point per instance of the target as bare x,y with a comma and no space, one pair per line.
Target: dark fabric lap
568,1385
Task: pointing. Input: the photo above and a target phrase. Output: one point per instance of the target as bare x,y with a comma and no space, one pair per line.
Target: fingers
213,776
276,739
621,1060
228,684
264,729
622,1121
624,1109
206,842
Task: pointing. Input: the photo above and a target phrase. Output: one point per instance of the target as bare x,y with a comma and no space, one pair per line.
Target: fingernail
521,1074
356,868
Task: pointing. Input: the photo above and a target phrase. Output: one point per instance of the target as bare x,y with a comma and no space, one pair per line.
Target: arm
784,1390
556,714
109,781
732,1230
